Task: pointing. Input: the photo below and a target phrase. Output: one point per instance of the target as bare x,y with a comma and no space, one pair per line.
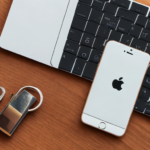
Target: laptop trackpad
32,28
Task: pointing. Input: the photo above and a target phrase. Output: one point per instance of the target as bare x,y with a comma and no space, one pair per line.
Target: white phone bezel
94,122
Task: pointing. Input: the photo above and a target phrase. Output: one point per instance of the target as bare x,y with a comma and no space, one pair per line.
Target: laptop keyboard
98,21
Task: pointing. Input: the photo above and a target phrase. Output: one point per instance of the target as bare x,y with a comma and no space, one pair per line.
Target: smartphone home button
102,125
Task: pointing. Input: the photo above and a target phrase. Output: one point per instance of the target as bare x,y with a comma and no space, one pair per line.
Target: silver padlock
17,109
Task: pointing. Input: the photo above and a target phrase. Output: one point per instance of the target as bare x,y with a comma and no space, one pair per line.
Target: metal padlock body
15,111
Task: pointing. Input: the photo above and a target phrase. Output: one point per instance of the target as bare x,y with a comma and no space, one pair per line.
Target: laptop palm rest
32,28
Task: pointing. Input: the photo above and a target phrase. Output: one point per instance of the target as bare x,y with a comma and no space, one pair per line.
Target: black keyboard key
98,3
83,10
139,8
87,40
144,93
122,3
149,15
78,23
147,112
148,24
110,8
146,82
141,20
75,35
96,15
126,39
71,47
148,72
140,105
103,32
84,52
148,44
95,56
67,61
148,50
90,70
145,35
138,44
99,44
78,68
91,27
126,14
124,26
115,36
87,1
109,21
135,30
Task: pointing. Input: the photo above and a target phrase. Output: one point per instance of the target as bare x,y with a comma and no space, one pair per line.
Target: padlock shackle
35,89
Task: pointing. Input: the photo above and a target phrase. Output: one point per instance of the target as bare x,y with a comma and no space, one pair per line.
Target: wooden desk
57,124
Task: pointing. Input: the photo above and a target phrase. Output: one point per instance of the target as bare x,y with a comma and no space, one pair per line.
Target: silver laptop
71,34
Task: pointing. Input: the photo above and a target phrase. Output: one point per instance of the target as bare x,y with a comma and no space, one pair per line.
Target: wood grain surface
57,124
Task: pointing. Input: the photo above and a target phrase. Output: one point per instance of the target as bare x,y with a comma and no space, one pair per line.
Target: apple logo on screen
117,84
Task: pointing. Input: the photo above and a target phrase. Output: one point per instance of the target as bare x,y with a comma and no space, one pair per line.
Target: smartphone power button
102,125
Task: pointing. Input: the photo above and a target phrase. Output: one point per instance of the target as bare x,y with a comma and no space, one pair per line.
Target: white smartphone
115,88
